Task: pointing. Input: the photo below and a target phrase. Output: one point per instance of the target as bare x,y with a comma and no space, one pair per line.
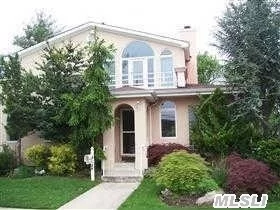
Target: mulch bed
178,200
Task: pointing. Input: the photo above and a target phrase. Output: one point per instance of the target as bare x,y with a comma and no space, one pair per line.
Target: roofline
106,28
176,92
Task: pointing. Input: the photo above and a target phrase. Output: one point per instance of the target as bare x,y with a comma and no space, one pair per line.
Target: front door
127,134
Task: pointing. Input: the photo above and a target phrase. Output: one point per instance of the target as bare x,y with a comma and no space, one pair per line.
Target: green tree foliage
17,96
37,31
89,113
214,133
61,73
208,68
249,37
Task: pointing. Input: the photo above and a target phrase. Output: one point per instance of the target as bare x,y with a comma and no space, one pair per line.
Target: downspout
153,94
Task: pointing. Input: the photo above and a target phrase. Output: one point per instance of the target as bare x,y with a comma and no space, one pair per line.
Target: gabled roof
105,28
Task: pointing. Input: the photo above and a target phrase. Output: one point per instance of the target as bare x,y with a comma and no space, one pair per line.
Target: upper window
138,65
137,49
168,119
167,72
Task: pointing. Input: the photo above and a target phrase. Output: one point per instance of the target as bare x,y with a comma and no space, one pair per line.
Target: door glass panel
128,143
128,120
124,72
137,73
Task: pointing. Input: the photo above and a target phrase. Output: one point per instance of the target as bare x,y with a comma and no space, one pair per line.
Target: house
154,81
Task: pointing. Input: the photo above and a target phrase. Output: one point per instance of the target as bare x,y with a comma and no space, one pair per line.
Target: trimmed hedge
184,173
63,160
248,176
157,151
39,155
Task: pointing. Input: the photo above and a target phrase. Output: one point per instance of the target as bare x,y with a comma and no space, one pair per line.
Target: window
167,72
138,65
110,67
168,119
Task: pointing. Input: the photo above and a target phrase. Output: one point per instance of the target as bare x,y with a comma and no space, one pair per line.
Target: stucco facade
139,105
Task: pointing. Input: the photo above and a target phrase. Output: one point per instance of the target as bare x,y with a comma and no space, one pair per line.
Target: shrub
214,133
268,151
7,161
157,151
219,173
23,172
63,160
274,193
39,155
184,173
248,176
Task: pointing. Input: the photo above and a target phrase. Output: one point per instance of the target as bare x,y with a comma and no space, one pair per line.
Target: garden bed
47,192
147,197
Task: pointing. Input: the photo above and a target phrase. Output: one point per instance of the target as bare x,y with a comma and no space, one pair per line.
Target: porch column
109,146
141,135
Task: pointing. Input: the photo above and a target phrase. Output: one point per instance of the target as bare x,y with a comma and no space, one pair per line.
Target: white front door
127,133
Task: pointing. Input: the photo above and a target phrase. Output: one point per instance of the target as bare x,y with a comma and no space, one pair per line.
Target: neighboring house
154,82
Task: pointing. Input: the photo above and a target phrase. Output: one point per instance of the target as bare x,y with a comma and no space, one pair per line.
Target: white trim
106,28
121,133
168,137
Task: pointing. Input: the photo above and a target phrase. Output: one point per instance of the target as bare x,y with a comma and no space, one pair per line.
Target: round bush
248,176
39,155
184,173
63,160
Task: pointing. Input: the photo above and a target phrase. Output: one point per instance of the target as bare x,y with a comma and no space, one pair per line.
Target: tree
61,73
249,37
214,134
37,31
208,68
89,113
20,104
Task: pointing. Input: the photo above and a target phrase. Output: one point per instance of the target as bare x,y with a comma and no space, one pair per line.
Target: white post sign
89,160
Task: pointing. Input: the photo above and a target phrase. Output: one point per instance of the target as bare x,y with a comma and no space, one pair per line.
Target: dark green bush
39,155
23,172
7,161
184,173
214,133
63,160
274,194
268,151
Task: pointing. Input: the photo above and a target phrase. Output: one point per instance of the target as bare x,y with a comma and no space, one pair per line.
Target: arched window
138,64
167,71
168,119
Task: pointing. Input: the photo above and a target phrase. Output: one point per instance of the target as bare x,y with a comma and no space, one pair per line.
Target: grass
146,197
47,192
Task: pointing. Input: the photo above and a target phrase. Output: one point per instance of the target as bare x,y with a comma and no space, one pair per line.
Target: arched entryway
124,133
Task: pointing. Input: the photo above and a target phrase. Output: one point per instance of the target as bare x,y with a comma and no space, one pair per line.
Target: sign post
89,160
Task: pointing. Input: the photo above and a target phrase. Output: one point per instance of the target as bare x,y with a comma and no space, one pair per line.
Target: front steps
122,172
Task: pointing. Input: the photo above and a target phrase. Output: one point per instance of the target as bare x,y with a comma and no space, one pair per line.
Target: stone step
120,179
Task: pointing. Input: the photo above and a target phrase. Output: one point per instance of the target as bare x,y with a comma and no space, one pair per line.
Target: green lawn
46,192
146,197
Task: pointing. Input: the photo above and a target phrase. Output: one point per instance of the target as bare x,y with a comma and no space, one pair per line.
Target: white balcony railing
150,80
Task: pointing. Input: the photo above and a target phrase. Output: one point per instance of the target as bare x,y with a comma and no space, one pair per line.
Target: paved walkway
103,196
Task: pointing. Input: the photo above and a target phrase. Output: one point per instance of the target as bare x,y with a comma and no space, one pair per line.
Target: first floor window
168,119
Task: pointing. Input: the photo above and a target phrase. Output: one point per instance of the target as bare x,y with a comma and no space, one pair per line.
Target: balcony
146,81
